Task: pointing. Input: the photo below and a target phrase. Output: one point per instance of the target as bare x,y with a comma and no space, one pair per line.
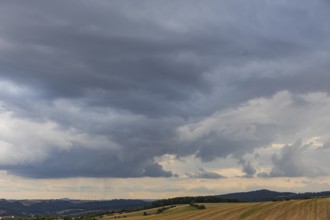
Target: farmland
294,210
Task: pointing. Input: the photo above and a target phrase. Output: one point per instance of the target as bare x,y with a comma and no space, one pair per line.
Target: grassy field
293,210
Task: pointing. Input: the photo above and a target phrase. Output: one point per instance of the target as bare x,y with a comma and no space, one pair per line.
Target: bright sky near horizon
155,99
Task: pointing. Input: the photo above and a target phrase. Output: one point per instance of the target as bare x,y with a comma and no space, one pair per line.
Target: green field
291,210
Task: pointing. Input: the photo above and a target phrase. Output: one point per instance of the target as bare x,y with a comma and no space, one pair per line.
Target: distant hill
267,195
64,207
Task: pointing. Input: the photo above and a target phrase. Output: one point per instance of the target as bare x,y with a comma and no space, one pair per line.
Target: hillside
64,207
267,195
291,210
257,196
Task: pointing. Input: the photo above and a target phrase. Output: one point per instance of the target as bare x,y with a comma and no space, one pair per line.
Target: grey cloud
82,162
230,141
133,73
248,169
326,145
203,174
213,146
62,57
292,162
69,55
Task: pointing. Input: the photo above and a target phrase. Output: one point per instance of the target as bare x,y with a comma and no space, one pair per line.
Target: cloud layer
101,89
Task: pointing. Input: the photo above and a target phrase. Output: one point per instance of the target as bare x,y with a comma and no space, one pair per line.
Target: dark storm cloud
134,73
75,54
82,162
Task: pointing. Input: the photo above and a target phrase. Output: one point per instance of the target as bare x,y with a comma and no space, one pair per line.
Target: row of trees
190,200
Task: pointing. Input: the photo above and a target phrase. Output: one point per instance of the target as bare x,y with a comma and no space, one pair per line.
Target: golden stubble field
291,210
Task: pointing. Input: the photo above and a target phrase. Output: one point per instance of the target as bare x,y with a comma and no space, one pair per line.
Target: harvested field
291,210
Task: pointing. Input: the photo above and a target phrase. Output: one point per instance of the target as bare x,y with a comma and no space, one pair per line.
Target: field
293,210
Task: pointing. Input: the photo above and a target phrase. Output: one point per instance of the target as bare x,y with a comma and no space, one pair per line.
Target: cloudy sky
154,99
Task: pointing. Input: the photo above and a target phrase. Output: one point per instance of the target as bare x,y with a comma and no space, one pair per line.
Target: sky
155,99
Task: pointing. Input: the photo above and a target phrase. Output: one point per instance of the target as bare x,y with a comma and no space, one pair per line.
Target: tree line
190,200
